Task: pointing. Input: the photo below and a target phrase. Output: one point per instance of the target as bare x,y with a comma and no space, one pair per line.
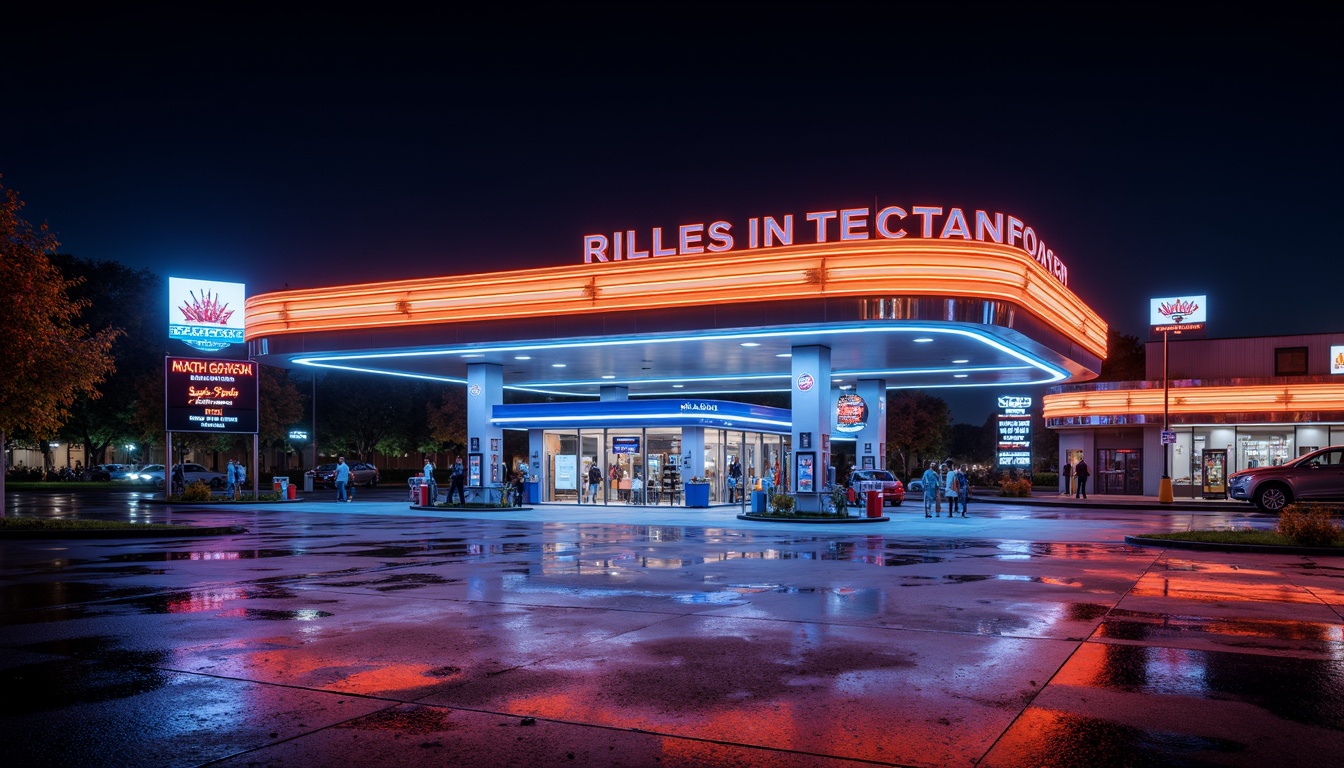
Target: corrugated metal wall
1247,358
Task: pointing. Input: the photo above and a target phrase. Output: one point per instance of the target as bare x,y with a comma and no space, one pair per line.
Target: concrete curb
827,520
1256,549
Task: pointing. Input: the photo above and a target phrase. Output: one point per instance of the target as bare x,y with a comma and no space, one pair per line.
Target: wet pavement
372,634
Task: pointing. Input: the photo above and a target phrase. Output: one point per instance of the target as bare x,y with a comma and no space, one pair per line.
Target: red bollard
874,503
424,494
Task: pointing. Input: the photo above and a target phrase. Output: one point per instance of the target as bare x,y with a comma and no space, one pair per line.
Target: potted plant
782,504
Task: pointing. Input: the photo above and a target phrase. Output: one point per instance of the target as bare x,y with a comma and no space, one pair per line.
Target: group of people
235,478
945,482
457,479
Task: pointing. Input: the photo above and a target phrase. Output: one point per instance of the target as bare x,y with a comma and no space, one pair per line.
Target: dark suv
1317,476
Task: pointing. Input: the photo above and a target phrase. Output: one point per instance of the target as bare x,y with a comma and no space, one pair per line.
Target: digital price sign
210,395
1014,432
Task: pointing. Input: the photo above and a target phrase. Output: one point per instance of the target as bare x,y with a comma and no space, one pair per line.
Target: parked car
105,472
1316,476
153,474
893,492
361,473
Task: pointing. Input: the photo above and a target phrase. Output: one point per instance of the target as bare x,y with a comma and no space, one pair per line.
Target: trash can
292,493
416,483
281,486
758,502
307,483
874,503
533,491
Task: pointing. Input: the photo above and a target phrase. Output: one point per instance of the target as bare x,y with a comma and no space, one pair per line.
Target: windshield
877,474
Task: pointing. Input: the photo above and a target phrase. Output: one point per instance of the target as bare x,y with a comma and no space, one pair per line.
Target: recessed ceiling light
473,355
961,361
522,357
784,354
846,386
923,341
960,375
678,386
557,365
609,376
751,344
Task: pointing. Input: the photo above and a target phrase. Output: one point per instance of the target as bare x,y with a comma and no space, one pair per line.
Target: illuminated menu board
1014,432
210,395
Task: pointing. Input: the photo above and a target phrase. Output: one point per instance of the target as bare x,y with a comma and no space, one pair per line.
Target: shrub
1008,486
1309,525
782,503
197,491
1045,479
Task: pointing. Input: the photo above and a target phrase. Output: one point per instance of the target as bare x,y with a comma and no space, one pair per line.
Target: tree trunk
4,461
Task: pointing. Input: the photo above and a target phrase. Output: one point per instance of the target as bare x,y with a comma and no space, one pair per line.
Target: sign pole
1164,494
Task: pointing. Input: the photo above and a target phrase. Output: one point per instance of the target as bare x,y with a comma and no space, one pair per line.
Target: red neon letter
854,224
690,238
883,216
658,249
821,217
720,237
928,214
594,247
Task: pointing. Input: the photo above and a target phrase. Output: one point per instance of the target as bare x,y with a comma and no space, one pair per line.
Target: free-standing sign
205,314
210,395
1178,314
1014,421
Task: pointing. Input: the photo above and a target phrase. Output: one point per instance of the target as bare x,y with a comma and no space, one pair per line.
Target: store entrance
1119,471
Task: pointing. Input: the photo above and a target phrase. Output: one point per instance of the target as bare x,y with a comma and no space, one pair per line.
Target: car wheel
897,503
1273,497
374,482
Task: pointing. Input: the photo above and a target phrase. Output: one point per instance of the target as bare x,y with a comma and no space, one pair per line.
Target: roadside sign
1168,437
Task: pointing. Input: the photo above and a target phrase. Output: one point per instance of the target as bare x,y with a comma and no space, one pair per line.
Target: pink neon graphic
1177,310
207,309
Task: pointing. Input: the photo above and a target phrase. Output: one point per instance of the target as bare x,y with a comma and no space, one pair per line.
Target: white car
153,474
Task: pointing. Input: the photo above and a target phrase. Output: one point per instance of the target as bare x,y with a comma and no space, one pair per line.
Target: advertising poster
474,467
566,472
206,315
806,473
1178,314
210,395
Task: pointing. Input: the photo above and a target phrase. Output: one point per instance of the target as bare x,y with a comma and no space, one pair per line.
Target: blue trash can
758,502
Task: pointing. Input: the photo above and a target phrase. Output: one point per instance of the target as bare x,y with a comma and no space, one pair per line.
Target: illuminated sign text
210,395
840,225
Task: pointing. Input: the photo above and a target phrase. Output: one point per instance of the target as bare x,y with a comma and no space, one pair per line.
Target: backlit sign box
1014,427
210,395
625,445
206,315
1177,314
1337,359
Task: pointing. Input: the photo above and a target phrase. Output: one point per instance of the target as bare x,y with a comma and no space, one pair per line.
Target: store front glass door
1118,471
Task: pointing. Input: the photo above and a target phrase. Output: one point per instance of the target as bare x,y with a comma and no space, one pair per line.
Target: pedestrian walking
931,482
953,492
457,478
429,480
241,471
342,478
636,489
734,480
963,488
1066,476
594,481
231,480
1081,473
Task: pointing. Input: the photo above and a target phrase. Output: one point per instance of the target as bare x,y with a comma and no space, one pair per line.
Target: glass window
1264,446
1290,361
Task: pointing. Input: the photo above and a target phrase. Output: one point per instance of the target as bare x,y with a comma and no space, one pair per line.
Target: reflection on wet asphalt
384,638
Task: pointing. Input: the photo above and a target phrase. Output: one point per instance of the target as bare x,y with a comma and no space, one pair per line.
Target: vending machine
1214,463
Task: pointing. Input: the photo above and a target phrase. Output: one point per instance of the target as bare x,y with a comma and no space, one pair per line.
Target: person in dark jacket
1081,472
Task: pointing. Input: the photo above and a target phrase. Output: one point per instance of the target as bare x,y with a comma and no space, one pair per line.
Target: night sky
1160,151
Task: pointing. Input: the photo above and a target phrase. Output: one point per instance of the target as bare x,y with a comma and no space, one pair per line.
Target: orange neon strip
875,268
1190,400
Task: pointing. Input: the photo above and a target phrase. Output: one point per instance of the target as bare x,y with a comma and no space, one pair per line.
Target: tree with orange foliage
49,358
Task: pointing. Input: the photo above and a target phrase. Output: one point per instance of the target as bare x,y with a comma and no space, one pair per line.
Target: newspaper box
416,483
281,486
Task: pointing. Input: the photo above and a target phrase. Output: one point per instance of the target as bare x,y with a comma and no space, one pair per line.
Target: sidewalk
1114,501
